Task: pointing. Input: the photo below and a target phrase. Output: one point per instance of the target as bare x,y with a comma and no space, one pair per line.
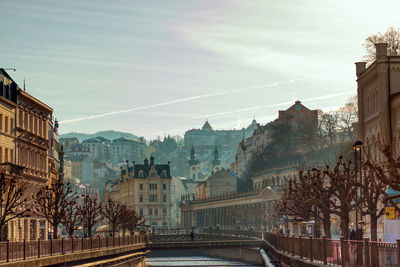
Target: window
150,211
30,122
11,155
21,118
164,186
153,198
1,122
156,212
140,186
140,211
11,125
25,120
6,124
164,211
164,198
140,198
152,186
6,155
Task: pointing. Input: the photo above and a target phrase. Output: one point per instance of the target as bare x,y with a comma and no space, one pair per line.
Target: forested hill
109,134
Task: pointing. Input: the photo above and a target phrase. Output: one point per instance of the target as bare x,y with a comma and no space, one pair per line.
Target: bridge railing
13,251
243,233
337,252
327,251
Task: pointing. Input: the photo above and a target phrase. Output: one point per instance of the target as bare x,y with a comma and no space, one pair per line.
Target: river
191,257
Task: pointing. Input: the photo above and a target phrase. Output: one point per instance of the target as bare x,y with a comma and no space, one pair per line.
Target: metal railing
327,251
337,252
14,251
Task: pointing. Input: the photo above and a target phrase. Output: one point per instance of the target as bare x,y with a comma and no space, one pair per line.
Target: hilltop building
250,146
296,116
147,189
99,148
207,136
123,149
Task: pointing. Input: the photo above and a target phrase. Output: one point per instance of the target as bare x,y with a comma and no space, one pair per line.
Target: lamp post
317,229
357,150
84,196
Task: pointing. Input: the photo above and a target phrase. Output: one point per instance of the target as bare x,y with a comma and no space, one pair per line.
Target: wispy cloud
179,100
226,113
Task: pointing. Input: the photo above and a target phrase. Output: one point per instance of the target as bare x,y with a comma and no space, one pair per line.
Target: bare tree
314,193
342,180
319,191
12,196
328,125
347,116
72,219
391,37
91,212
52,201
373,196
130,219
113,212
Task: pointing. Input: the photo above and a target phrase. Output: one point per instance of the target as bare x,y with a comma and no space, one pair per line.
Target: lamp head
357,145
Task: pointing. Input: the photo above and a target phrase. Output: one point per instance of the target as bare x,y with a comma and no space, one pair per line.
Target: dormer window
140,174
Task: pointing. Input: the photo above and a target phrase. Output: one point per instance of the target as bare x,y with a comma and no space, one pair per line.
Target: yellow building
147,189
24,141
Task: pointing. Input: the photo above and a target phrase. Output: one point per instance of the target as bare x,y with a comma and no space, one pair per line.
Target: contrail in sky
179,100
264,106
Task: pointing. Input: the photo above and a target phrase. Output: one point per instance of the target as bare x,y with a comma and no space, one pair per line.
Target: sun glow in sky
155,67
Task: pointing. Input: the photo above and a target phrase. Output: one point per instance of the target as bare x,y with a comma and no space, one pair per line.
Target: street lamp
85,196
317,230
357,150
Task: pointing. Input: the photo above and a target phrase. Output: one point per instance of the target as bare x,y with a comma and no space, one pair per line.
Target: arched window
140,174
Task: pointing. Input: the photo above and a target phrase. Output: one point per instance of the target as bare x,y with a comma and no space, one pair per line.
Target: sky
162,67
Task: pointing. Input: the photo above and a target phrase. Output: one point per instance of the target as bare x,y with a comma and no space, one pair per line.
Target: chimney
360,68
127,166
133,168
381,51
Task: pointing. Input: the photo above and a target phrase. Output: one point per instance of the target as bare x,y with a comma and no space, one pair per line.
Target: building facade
24,129
378,93
236,211
123,149
222,182
147,189
99,148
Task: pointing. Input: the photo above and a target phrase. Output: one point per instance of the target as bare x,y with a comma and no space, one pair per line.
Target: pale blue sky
155,67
